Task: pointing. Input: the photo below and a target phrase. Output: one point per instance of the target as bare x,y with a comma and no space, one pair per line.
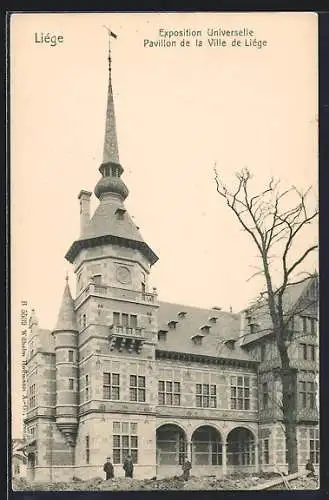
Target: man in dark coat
108,469
310,469
128,466
187,466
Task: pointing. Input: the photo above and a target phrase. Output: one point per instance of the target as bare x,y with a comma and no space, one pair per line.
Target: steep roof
292,299
178,339
66,317
104,222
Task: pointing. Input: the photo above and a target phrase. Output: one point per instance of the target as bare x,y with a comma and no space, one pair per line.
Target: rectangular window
133,321
313,326
263,352
308,352
266,451
71,384
265,396
240,393
169,393
137,388
125,320
32,396
71,356
111,386
314,446
87,450
307,394
87,388
84,320
116,319
206,396
309,325
125,441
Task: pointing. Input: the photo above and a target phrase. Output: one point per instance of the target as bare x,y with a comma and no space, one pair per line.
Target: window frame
125,441
167,394
111,386
137,385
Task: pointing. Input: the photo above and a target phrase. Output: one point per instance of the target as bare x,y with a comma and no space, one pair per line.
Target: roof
179,339
292,297
105,224
66,318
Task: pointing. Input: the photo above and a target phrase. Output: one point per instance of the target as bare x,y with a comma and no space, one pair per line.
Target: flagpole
110,33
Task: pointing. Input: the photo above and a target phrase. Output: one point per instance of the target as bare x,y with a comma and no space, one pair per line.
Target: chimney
84,197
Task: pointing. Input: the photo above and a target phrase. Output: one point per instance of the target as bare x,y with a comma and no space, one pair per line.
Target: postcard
164,262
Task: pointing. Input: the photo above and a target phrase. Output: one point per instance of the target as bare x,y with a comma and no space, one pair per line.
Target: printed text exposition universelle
216,37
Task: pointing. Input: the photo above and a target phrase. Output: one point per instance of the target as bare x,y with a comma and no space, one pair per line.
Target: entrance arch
31,466
241,447
171,445
207,446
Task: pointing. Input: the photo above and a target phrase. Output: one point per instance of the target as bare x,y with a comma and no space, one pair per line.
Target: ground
233,482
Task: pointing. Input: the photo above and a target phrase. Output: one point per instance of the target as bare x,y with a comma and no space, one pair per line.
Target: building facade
123,373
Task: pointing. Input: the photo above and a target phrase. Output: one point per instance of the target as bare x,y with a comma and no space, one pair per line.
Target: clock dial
123,275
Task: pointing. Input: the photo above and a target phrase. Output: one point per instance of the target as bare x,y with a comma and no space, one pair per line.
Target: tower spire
111,170
110,151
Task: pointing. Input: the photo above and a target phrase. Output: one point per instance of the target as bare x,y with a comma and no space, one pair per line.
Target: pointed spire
110,151
111,170
66,318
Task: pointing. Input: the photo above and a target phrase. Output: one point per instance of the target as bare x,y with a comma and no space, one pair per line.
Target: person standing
128,466
108,469
187,466
310,469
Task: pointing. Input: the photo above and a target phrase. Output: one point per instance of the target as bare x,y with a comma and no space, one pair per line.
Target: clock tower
116,322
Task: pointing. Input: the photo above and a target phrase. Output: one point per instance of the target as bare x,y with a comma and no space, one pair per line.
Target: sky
179,110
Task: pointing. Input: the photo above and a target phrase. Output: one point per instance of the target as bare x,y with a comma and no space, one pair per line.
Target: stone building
122,372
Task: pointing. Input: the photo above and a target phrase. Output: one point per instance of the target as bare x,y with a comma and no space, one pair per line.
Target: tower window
32,396
71,384
106,171
86,387
71,356
111,386
84,320
137,388
87,450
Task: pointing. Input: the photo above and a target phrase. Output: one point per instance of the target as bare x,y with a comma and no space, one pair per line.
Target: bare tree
275,224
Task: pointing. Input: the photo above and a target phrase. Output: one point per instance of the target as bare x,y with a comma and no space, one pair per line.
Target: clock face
123,275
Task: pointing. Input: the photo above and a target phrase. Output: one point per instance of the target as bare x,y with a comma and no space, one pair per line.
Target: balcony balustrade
116,293
124,337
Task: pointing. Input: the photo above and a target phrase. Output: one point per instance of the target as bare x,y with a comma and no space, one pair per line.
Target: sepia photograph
164,251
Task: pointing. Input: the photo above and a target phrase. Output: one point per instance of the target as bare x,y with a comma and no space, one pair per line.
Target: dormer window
213,319
120,212
172,324
162,335
197,338
205,328
230,343
181,314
